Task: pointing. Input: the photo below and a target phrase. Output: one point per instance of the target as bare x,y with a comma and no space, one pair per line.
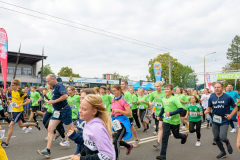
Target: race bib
2,132
217,119
73,106
166,117
158,105
141,106
14,104
193,114
116,125
56,114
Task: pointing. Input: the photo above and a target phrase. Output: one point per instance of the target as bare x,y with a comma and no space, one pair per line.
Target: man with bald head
62,111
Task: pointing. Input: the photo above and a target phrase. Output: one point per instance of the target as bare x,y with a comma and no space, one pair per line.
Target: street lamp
204,67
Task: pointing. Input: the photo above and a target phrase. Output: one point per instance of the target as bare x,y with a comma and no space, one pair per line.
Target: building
25,67
108,76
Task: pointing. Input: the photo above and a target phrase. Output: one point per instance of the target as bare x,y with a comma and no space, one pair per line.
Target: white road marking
63,158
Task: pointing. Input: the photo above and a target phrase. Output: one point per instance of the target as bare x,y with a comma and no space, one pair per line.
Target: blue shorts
65,116
17,116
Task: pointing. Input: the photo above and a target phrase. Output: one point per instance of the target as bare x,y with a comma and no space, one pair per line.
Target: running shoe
198,143
136,143
222,155
56,137
154,133
147,126
129,149
38,127
138,129
65,143
145,130
208,126
233,130
183,127
4,145
229,147
156,145
184,140
160,158
154,126
24,128
28,129
150,121
44,153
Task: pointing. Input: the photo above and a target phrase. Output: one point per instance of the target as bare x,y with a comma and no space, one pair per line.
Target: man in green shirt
106,99
128,98
171,120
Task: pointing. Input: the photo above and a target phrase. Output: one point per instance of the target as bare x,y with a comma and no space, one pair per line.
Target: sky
187,29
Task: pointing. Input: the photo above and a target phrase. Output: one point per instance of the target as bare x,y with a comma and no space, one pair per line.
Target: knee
51,129
191,130
224,139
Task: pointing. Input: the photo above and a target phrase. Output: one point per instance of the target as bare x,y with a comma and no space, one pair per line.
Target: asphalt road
24,147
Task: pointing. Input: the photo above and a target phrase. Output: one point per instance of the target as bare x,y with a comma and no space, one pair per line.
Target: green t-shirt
171,104
193,116
128,98
107,102
74,103
134,99
157,98
35,96
140,104
49,107
183,98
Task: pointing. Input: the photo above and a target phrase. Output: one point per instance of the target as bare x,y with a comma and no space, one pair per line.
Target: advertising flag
157,71
208,81
4,56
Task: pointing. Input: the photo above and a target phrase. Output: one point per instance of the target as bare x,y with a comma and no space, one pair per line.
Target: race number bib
56,114
217,119
193,114
166,117
73,106
158,105
116,125
14,104
141,106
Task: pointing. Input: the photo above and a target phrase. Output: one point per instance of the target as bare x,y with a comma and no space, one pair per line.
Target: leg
157,124
191,127
165,137
216,135
31,116
61,130
10,131
223,133
198,130
175,131
39,112
160,132
135,116
46,119
52,125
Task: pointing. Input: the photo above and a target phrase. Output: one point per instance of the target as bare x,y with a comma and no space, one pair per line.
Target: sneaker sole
222,157
39,152
64,146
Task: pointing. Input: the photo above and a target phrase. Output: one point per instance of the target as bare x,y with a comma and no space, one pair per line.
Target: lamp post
204,67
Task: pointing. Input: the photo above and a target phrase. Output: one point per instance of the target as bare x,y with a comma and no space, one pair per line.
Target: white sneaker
198,143
154,133
65,143
154,126
233,130
28,130
24,128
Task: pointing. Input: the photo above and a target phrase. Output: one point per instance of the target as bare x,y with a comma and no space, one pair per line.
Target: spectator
59,79
70,80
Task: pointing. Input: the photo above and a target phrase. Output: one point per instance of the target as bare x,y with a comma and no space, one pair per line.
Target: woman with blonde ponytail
97,130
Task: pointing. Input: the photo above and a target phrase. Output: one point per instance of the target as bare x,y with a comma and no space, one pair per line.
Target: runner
220,104
62,112
3,155
121,124
195,119
134,108
143,105
17,100
182,98
128,98
106,99
235,98
157,97
35,98
204,99
97,92
171,120
97,131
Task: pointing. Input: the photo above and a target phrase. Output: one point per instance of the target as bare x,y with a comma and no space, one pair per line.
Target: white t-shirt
205,101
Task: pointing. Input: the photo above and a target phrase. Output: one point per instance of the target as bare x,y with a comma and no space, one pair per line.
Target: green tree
65,71
46,70
116,76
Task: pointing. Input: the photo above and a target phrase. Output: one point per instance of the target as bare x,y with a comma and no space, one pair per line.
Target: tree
65,71
46,70
116,76
179,73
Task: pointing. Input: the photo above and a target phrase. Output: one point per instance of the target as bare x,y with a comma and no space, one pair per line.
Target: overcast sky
188,29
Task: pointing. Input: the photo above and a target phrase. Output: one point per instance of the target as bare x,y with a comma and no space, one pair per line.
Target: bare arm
23,104
125,113
60,99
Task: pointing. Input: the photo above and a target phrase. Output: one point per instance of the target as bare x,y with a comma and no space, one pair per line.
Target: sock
48,150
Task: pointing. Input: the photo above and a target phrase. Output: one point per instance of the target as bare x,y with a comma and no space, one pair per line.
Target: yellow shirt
3,155
18,97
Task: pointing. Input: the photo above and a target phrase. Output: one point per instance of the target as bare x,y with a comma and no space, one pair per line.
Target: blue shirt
221,106
234,95
57,92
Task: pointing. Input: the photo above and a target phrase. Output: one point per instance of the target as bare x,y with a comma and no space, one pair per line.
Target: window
27,71
104,76
20,70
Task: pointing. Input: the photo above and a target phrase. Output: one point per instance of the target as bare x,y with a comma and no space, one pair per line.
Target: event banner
4,56
157,71
208,81
235,75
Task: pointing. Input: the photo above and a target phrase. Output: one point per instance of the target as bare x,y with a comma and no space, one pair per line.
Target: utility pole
170,81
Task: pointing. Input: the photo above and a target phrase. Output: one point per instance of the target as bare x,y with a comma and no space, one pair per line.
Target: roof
24,58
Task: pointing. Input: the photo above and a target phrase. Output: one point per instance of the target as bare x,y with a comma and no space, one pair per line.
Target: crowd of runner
100,120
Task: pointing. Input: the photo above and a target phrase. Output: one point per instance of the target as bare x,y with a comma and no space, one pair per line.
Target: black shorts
143,114
131,121
34,108
161,119
17,116
44,109
183,113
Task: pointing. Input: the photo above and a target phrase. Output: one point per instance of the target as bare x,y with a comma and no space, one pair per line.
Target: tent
136,85
148,86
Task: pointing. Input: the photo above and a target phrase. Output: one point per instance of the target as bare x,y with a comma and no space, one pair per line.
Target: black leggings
117,140
198,128
135,116
142,114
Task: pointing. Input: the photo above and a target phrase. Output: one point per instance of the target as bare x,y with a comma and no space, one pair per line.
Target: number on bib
158,105
193,114
73,106
141,106
116,125
217,119
14,104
